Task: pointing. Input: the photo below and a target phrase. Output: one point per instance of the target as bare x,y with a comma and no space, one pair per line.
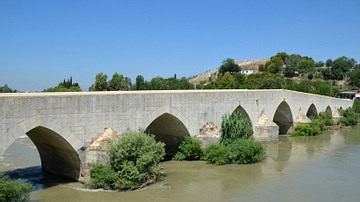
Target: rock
101,143
209,134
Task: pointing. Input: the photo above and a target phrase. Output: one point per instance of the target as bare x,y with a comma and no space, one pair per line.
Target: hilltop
244,64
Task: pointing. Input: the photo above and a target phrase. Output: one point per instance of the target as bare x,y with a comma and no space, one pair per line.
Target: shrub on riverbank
243,151
14,190
240,151
134,163
189,149
235,145
216,154
349,117
315,127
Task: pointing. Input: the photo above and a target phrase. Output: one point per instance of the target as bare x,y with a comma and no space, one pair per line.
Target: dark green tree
65,86
341,67
354,78
116,82
100,83
140,83
5,89
229,65
329,62
227,81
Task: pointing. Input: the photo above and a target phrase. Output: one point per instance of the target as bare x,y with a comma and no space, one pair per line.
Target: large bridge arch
283,118
57,145
168,128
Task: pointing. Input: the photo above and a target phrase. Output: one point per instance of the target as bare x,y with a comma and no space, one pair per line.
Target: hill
212,74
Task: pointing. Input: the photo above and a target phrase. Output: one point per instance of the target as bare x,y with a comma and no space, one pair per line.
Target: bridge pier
265,130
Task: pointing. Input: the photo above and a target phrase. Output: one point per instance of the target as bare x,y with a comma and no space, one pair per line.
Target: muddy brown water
321,168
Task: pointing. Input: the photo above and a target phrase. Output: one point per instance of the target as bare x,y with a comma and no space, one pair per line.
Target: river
321,168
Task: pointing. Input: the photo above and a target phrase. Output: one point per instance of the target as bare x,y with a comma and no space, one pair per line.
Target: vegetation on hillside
14,190
134,163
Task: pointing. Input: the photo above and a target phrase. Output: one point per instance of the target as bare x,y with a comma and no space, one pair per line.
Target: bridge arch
57,146
312,111
328,110
283,118
242,111
168,128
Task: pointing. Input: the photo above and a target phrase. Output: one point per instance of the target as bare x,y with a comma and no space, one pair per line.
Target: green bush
349,117
356,106
240,151
14,190
326,119
244,151
234,127
216,154
306,130
190,149
134,161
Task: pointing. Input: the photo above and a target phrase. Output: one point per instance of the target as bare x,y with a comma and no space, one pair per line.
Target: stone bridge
62,125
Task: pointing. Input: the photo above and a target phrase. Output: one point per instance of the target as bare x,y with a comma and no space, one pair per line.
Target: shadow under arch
56,154
241,110
283,118
328,111
312,111
168,129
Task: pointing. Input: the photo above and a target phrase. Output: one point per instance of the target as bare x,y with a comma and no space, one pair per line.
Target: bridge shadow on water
39,178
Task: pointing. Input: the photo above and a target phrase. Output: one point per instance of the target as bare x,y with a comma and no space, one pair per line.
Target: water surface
321,168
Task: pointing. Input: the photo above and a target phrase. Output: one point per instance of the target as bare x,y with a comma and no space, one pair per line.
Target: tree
274,64
319,64
354,78
229,65
6,89
65,86
341,67
100,82
327,74
226,81
116,82
140,83
329,62
239,79
306,65
289,71
271,81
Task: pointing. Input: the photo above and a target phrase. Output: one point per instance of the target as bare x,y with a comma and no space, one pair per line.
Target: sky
44,42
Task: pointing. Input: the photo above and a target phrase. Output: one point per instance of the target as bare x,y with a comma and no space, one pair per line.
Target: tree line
120,82
278,73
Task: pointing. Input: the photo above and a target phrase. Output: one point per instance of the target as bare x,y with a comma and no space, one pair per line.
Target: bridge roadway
61,124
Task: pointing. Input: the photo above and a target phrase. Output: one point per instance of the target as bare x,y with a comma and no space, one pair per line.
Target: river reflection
321,168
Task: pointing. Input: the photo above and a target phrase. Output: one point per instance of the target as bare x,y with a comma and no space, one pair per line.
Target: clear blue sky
44,42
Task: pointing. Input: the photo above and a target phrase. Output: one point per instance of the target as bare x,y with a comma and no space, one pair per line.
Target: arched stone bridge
61,124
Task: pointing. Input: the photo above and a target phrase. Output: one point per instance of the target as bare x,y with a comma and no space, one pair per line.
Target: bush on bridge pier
134,163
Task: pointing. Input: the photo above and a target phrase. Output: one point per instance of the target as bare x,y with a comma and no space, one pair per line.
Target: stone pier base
265,130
